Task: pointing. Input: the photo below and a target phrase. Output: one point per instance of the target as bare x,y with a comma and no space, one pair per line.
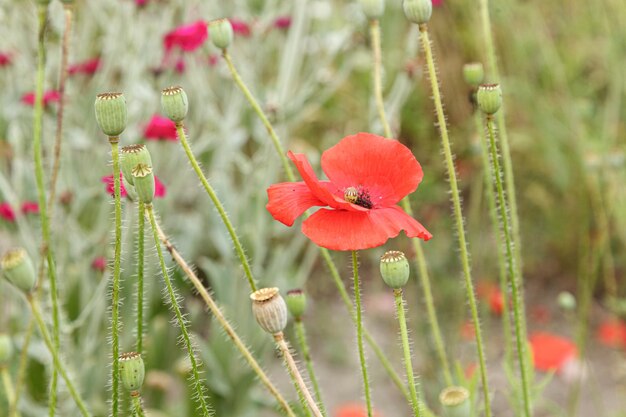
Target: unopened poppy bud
296,303
455,402
567,301
473,73
132,371
18,269
394,268
132,155
111,113
221,33
489,98
143,181
373,9
418,11
174,103
6,349
269,310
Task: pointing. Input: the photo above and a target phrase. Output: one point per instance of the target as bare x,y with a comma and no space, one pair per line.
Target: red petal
551,352
353,230
386,168
288,200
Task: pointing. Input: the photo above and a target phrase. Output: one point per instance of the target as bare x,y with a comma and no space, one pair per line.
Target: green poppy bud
6,349
131,194
296,303
269,310
143,181
473,73
18,269
373,9
111,113
132,155
567,301
174,103
132,371
489,98
394,268
455,402
418,11
221,33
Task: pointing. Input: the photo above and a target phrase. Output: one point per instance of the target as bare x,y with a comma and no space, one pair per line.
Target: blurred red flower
240,27
187,37
213,59
160,128
5,59
282,22
30,207
437,3
468,331
7,213
51,96
159,187
551,352
612,333
353,410
99,264
368,176
141,3
496,302
88,67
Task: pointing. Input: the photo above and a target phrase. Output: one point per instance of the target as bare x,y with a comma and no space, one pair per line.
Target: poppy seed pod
394,268
269,310
489,98
296,303
418,11
132,371
221,33
111,113
455,402
473,73
6,349
143,181
567,301
132,155
18,269
174,103
373,9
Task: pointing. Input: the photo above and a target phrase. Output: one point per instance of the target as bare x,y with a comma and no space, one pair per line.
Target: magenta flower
240,27
159,187
51,96
160,128
88,67
437,3
282,22
99,264
7,213
5,59
30,207
187,37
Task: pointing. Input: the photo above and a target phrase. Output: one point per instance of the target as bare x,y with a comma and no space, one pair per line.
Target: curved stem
458,214
8,386
218,205
359,332
179,317
514,279
408,363
304,347
55,356
293,369
141,218
377,75
217,312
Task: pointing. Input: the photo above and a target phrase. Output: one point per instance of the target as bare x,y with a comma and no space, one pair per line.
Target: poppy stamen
359,196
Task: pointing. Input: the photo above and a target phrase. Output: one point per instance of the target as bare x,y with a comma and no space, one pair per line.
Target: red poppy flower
282,22
187,37
496,302
180,66
7,213
612,333
159,187
437,3
30,207
88,67
160,128
51,96
468,331
551,352
240,27
353,410
5,59
368,175
99,264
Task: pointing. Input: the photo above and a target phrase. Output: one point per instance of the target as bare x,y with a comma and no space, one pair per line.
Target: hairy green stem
304,347
408,363
377,75
218,205
137,406
55,356
458,214
21,371
359,332
179,316
520,323
141,219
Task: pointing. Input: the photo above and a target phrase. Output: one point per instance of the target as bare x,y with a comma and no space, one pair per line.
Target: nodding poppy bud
269,310
18,269
132,155
394,268
418,11
489,98
174,103
143,181
221,33
111,113
6,349
455,402
296,303
132,371
373,9
473,73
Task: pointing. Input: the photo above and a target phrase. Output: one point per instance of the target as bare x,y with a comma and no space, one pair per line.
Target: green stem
458,214
21,372
408,363
115,296
304,347
359,332
257,109
141,218
179,316
8,386
377,75
514,279
55,356
137,406
218,205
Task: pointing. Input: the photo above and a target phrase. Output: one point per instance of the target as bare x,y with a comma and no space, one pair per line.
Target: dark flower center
358,196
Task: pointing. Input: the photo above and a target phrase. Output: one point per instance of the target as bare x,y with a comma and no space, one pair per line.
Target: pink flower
5,59
141,3
213,59
7,213
88,67
188,37
159,187
99,264
282,22
180,66
240,27
437,3
51,96
30,207
160,128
